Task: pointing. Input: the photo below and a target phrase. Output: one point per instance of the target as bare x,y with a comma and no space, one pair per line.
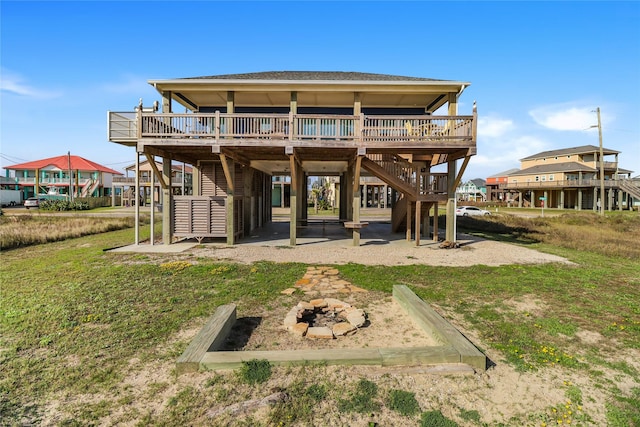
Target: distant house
181,183
494,192
63,175
472,191
570,178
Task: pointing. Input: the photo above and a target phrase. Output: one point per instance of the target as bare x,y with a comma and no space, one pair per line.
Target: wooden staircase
394,170
631,188
399,213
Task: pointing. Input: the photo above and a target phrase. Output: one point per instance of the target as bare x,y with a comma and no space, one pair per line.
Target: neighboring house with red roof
181,183
57,175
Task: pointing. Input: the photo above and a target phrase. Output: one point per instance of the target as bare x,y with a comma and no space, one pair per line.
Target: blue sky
538,70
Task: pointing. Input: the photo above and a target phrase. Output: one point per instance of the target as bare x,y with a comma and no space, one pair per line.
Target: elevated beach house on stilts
239,130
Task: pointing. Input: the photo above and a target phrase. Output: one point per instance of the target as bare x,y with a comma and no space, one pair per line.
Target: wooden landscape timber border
202,353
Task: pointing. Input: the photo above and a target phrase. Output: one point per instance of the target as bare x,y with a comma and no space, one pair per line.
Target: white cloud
565,117
496,156
14,83
493,127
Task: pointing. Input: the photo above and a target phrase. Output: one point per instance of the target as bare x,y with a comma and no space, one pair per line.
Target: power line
12,158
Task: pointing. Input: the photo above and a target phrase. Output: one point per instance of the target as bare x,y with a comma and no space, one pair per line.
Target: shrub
361,400
255,371
64,205
436,419
403,402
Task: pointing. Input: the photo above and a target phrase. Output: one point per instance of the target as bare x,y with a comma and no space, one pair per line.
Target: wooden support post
450,234
408,233
167,200
619,199
356,200
248,175
136,200
293,195
579,199
436,236
425,222
418,221
228,166
152,222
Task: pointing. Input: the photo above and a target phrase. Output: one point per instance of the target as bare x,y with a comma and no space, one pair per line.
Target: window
537,178
544,178
551,178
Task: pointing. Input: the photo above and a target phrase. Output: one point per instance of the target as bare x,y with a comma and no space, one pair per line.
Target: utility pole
601,163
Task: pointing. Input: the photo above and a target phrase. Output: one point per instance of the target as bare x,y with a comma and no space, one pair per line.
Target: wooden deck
292,129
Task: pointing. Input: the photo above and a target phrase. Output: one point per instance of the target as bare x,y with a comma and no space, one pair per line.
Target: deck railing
570,183
129,127
144,180
50,181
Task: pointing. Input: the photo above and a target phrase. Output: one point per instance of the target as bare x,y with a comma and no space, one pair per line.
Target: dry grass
614,235
25,230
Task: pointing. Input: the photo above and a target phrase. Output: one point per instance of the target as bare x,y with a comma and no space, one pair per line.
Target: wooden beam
418,221
408,221
228,172
356,200
210,338
228,167
237,157
156,171
293,194
436,326
465,162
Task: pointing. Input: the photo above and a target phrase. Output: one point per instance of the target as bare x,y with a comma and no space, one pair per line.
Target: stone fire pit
324,318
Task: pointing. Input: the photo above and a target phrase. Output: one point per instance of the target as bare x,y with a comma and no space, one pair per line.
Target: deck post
450,234
408,221
136,200
152,184
356,200
229,168
579,199
248,176
418,221
348,177
436,235
167,200
341,197
293,197
426,226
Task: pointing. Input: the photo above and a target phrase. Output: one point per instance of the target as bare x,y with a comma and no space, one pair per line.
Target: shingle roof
505,173
62,163
568,151
479,182
315,75
555,167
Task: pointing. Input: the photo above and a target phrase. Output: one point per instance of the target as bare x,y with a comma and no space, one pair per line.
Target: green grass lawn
72,317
